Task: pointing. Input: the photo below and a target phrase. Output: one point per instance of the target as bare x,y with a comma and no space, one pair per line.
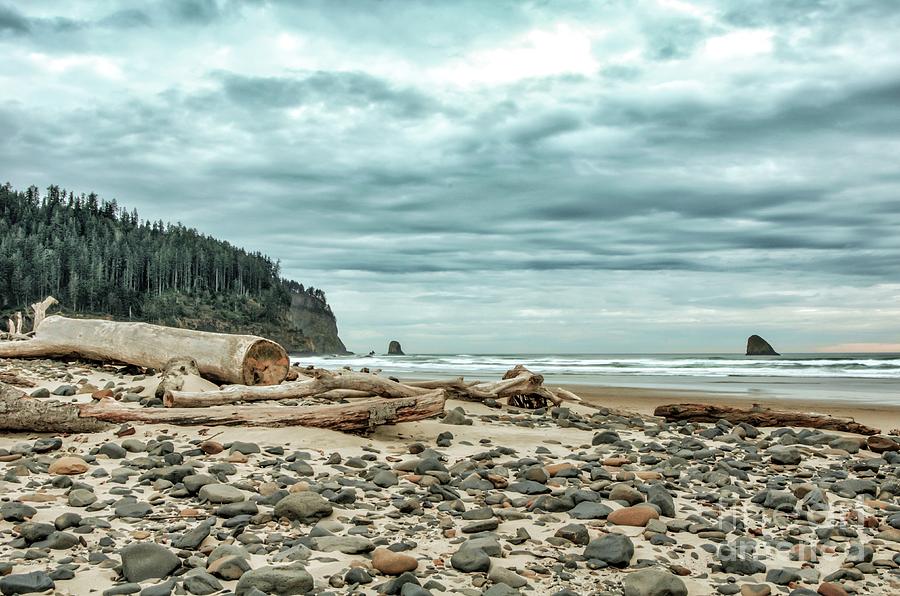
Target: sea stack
757,346
394,348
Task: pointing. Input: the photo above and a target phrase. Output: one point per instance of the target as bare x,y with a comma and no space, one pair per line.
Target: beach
596,497
644,400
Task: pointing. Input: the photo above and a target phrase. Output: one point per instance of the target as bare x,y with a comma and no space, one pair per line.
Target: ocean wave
860,366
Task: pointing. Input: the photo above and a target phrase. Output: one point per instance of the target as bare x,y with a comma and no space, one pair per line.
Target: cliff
315,321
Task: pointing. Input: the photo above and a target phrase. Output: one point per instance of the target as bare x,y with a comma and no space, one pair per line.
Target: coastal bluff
757,346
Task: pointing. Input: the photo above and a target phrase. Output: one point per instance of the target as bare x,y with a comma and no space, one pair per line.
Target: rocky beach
576,499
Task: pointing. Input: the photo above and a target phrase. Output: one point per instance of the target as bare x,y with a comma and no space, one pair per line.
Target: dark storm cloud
627,155
333,88
12,21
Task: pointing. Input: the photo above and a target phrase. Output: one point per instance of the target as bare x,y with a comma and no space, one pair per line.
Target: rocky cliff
317,326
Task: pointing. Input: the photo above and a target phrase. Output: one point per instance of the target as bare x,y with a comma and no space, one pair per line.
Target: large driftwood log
521,387
324,382
245,359
40,310
19,412
757,416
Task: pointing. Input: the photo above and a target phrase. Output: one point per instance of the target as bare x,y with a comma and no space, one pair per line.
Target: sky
609,176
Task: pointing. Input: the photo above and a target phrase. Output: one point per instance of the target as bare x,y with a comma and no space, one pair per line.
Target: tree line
97,257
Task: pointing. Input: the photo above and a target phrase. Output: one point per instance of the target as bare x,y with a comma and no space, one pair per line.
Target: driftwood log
757,416
244,359
40,310
520,387
18,412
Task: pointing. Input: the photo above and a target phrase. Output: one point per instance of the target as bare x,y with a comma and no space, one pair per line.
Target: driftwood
40,310
757,416
245,359
14,379
325,382
520,387
19,412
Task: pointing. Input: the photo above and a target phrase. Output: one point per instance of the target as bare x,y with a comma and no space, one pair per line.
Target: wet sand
645,400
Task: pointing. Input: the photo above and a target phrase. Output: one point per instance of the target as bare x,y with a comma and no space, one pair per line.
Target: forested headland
100,259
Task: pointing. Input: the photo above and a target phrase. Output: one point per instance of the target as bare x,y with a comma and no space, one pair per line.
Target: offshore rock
757,346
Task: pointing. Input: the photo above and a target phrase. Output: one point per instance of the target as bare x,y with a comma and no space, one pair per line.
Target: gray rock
659,496
303,507
457,417
470,560
221,493
786,456
590,510
65,390
284,581
147,560
198,581
26,583
501,575
16,512
133,509
191,539
575,533
81,497
653,582
112,450
615,550
349,545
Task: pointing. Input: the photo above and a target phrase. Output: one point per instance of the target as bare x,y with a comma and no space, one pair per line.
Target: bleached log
245,359
757,416
40,310
19,412
325,382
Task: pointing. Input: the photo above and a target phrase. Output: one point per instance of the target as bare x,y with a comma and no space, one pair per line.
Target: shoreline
643,400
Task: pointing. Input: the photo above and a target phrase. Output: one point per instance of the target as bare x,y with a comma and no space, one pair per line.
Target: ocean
858,378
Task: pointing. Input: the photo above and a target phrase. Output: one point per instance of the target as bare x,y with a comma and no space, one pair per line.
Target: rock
785,456
303,507
590,510
16,512
131,508
26,583
394,348
81,497
198,581
147,560
653,582
229,567
349,545
65,390
574,533
830,589
284,581
881,444
41,392
501,575
615,550
457,416
68,465
659,496
221,493
112,451
358,576
391,563
755,590
757,346
470,560
637,516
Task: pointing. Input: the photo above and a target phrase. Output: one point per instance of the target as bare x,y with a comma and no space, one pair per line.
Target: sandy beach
590,498
645,400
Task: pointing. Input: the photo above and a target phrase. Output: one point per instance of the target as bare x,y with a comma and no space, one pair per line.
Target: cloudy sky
606,176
